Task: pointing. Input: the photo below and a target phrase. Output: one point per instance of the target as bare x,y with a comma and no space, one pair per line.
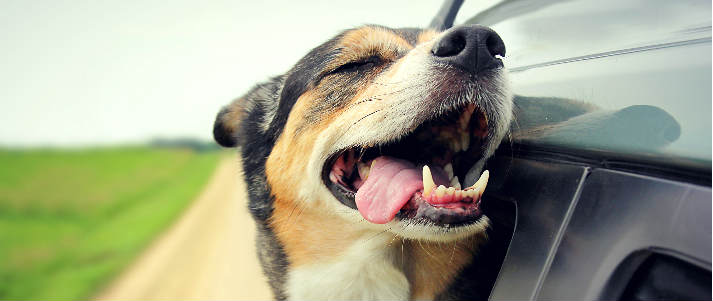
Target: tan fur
302,229
433,265
427,36
311,238
233,116
369,41
310,233
288,159
308,236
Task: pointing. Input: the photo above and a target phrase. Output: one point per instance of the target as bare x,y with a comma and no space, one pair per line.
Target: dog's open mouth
419,176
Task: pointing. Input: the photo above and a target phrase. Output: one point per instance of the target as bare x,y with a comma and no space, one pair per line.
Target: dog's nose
472,48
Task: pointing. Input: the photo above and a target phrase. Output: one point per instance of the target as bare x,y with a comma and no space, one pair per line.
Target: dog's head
383,127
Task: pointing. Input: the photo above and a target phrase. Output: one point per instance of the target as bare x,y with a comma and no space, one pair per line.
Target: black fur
256,136
254,149
264,111
299,79
223,136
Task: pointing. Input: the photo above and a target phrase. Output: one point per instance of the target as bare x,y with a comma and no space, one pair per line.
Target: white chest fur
368,270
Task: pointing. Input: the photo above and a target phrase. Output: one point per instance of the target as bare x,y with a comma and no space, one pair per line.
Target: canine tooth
482,181
455,182
459,194
480,193
440,191
484,177
449,170
428,183
363,170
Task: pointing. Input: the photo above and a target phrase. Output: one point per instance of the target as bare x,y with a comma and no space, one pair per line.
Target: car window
628,77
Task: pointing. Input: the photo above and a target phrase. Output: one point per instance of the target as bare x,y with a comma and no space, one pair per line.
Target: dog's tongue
391,184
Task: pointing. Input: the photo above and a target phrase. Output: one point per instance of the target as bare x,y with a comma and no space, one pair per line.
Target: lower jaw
417,210
453,215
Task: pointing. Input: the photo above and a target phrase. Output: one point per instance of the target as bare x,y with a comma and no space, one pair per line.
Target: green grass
70,220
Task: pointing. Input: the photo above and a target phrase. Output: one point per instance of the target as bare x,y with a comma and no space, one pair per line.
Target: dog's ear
227,122
253,113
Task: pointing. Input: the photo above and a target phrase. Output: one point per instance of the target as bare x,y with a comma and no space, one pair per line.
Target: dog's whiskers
291,212
392,241
299,213
453,252
424,249
377,234
378,96
402,251
364,117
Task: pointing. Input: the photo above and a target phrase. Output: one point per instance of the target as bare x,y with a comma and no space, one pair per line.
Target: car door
605,181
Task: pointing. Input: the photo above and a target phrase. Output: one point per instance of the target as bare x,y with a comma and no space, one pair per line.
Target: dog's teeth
465,141
450,191
364,170
459,194
449,170
482,182
428,183
484,178
477,183
440,191
455,182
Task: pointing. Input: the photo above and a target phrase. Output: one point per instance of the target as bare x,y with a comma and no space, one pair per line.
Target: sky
77,73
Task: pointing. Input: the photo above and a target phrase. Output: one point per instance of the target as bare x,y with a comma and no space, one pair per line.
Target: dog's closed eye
359,65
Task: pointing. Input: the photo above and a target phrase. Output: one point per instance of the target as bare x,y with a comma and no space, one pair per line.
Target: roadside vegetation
70,220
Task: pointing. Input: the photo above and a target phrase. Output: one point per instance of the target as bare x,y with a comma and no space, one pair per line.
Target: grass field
72,219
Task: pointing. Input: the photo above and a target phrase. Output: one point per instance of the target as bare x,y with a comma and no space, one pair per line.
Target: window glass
629,77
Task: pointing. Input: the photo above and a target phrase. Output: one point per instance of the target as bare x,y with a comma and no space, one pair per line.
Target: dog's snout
472,48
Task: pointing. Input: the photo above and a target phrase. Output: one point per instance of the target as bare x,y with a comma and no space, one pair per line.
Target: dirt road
207,254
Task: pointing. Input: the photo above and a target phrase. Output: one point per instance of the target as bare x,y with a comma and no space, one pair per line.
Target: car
603,189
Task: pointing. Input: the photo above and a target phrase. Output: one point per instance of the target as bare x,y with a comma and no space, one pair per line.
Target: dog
365,163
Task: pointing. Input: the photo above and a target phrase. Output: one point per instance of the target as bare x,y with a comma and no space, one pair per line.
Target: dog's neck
331,259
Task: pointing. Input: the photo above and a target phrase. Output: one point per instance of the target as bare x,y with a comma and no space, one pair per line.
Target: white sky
99,72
